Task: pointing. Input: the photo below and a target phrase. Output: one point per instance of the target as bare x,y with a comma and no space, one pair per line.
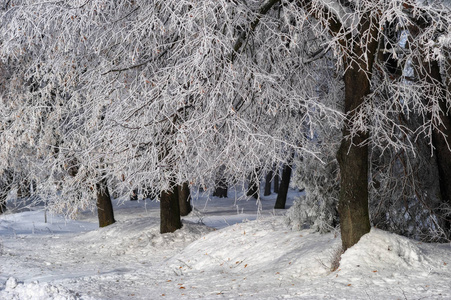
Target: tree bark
268,182
353,161
184,199
170,210
104,205
284,185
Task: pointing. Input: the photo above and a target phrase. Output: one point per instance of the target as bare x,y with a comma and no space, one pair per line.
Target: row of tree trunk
280,186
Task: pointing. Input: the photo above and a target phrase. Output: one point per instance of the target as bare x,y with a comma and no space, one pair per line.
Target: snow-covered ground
226,249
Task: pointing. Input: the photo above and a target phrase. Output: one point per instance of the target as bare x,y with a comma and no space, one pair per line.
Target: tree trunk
352,156
220,184
284,185
3,197
220,191
353,162
170,211
134,195
276,180
268,182
254,185
104,205
184,199
441,138
5,187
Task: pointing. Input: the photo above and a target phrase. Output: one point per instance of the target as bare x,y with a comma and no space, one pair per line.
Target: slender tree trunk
5,187
134,195
220,184
220,190
184,199
254,185
276,180
284,185
104,205
268,182
170,211
2,203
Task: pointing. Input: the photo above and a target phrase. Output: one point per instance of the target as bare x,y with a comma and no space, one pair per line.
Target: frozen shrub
317,209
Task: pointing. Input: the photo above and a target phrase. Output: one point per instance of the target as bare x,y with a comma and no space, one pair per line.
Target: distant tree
221,188
5,186
284,186
253,188
268,182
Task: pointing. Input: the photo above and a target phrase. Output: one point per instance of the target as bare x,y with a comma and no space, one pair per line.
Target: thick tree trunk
253,189
268,182
184,199
352,156
441,139
170,211
283,189
353,161
104,205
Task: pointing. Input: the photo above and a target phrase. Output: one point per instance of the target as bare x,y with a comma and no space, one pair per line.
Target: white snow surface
227,249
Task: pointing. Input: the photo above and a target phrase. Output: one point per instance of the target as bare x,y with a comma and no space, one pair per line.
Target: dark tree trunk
284,185
353,161
2,203
220,184
441,138
254,185
184,199
220,191
134,195
170,211
104,205
352,156
268,182
276,180
5,187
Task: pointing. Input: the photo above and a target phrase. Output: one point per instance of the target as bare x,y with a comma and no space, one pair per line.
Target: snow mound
140,234
382,251
36,291
265,245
